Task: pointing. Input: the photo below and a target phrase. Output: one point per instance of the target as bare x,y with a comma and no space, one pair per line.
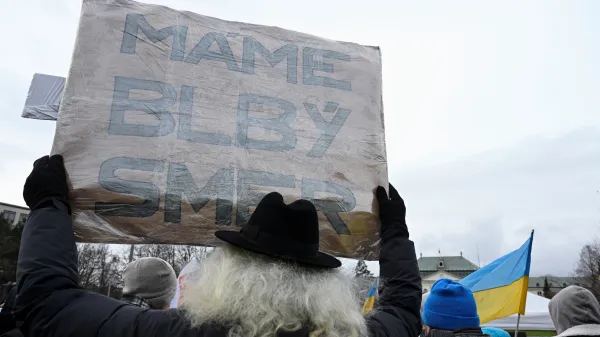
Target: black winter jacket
51,303
468,332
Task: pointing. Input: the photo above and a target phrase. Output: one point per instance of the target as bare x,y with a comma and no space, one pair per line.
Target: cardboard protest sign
174,125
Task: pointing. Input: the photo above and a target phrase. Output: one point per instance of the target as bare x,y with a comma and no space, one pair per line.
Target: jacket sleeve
399,303
50,301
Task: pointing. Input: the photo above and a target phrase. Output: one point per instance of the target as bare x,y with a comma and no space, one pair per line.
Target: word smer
220,187
161,107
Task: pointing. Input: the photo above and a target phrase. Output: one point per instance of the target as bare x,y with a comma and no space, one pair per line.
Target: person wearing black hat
268,279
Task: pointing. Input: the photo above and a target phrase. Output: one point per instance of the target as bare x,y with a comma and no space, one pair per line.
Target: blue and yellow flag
370,302
500,288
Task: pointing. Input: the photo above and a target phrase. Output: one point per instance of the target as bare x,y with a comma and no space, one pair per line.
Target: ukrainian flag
370,302
500,288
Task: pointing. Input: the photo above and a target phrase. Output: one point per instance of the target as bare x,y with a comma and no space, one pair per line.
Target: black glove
392,213
46,182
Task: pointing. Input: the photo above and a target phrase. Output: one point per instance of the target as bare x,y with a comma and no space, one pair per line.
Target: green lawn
535,333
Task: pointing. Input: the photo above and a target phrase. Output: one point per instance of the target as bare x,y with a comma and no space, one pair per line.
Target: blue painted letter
201,51
136,22
328,130
309,65
158,108
246,197
280,124
180,182
146,191
251,47
310,187
185,131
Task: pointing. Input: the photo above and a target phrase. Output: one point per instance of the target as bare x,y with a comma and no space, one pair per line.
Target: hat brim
322,260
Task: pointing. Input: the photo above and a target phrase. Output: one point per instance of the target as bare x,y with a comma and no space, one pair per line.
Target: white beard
257,296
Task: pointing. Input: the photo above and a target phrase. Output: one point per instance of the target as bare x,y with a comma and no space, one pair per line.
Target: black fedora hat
290,232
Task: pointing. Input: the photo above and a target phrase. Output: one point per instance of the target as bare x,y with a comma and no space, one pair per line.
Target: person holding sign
268,279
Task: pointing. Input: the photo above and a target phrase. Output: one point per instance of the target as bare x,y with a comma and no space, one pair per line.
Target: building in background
555,283
13,214
433,268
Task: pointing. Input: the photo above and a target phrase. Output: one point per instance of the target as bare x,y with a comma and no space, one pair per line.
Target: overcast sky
492,110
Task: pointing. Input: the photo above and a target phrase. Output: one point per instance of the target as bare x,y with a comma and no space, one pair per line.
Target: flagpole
525,290
518,321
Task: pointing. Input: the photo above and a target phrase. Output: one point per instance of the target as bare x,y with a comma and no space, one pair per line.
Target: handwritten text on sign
173,124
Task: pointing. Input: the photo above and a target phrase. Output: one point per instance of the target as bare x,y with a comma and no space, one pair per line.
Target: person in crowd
450,310
149,282
575,312
495,332
268,279
8,327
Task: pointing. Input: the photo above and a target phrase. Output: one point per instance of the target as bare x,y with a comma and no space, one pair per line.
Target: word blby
161,107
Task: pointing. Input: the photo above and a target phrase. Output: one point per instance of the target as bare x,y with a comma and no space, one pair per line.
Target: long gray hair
257,296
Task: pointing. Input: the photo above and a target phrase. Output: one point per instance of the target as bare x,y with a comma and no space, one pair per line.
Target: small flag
370,301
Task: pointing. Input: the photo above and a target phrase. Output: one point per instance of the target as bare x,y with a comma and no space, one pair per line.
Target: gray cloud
490,202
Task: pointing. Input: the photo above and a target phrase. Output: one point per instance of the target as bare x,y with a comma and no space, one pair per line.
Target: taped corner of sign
44,96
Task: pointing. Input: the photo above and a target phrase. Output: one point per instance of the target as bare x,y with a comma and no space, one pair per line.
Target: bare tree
176,256
87,264
165,252
588,269
186,253
99,268
10,240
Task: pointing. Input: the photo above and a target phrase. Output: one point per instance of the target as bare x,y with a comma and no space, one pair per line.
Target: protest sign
174,125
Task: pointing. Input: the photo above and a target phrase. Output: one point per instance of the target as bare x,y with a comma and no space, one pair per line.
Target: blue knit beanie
495,332
450,306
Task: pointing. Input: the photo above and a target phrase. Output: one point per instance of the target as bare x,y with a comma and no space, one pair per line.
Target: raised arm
398,310
50,301
48,255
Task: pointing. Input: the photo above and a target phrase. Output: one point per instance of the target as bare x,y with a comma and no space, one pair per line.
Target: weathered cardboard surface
94,96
